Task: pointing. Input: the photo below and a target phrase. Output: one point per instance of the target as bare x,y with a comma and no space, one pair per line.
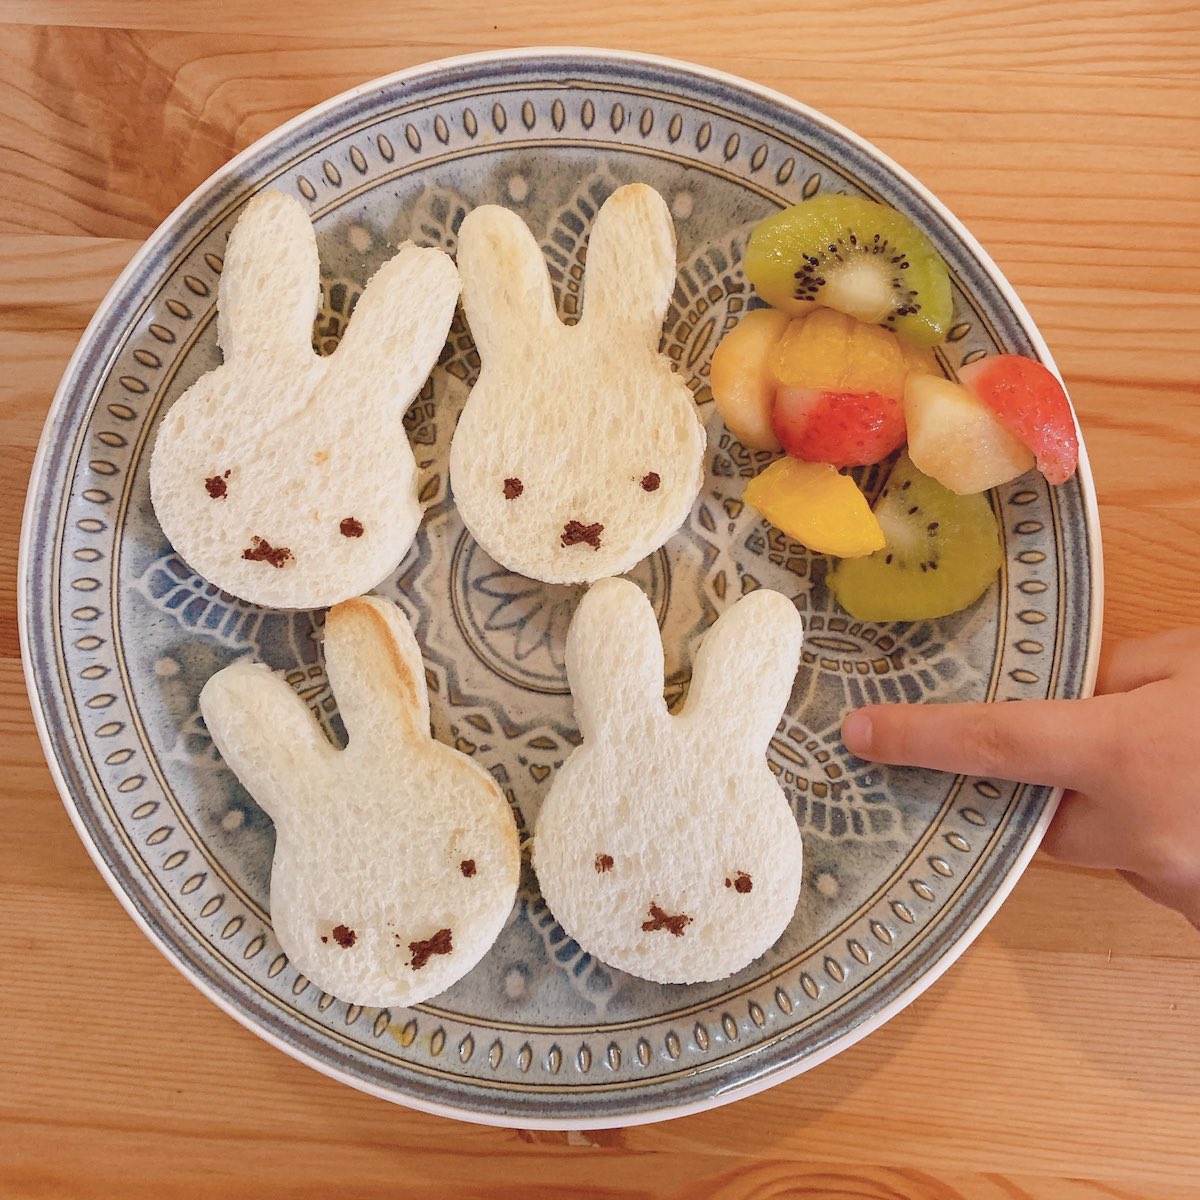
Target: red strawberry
846,429
1031,404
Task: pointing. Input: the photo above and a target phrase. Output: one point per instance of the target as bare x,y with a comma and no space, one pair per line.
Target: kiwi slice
942,553
859,257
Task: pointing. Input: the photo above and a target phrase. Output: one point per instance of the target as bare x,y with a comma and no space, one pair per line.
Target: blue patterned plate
902,867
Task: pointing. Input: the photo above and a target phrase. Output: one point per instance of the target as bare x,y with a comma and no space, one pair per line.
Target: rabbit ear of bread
398,341
376,671
630,267
506,289
268,301
265,734
757,643
268,737
615,661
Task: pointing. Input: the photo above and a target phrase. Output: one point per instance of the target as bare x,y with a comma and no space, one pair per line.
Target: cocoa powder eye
651,481
513,487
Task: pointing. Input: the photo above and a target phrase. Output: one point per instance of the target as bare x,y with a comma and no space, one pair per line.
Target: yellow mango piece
742,384
818,507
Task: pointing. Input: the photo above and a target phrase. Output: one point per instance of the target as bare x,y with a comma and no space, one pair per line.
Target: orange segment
876,361
818,507
829,351
812,351
921,360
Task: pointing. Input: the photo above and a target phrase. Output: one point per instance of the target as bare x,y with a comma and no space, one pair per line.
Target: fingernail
856,733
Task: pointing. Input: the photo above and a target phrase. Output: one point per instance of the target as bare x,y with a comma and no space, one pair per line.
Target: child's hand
1129,757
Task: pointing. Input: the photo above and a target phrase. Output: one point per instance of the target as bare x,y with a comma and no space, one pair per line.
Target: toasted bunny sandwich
579,450
396,859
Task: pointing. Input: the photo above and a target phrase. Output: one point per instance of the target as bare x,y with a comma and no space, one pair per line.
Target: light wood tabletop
1060,1057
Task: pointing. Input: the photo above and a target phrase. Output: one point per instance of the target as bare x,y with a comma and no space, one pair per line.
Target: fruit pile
841,372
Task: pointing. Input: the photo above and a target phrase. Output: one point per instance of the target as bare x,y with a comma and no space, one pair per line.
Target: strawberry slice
1031,404
845,429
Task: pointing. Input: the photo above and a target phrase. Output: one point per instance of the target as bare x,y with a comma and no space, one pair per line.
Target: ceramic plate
902,867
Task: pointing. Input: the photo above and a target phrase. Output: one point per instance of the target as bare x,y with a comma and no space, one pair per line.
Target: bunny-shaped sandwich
284,477
579,450
396,859
666,847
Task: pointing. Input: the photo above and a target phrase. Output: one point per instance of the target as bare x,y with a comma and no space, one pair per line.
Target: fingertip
857,732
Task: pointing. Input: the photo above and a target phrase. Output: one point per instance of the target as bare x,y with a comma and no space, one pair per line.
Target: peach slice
742,384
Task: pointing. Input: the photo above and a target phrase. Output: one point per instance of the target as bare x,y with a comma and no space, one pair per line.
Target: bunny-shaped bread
284,477
579,450
666,847
396,859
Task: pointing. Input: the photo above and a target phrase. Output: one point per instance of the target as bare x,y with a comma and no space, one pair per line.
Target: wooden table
1061,1057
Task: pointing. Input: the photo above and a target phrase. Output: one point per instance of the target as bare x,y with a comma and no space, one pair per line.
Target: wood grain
1137,39
1060,1059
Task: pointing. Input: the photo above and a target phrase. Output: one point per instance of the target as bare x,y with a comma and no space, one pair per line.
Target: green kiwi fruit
942,553
859,257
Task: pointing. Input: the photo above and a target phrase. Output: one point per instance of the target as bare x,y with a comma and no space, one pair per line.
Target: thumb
1061,743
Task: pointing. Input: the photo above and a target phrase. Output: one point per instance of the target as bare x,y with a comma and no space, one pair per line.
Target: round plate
902,867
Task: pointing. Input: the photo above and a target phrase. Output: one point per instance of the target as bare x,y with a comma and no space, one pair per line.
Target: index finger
1061,743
